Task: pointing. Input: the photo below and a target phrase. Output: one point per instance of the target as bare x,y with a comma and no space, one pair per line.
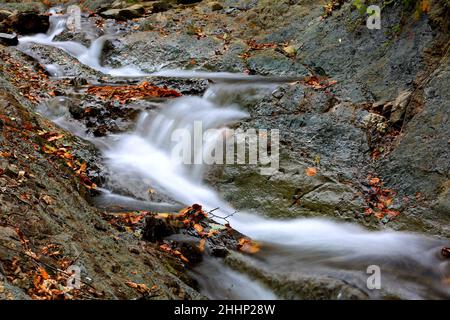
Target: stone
5,14
399,106
156,229
9,39
215,6
290,51
160,6
132,12
29,23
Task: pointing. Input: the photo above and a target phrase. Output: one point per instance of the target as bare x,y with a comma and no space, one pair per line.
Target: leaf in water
248,246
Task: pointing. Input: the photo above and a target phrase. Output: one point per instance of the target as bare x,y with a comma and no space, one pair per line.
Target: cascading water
89,56
298,244
410,263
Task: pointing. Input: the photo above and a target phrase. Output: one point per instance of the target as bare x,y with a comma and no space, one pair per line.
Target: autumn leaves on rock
127,93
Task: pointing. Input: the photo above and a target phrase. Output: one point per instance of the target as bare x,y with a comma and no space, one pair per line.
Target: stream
291,250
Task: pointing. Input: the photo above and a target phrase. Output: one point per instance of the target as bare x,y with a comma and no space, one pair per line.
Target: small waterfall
152,146
89,56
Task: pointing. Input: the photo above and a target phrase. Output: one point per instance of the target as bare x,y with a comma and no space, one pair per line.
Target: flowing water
411,265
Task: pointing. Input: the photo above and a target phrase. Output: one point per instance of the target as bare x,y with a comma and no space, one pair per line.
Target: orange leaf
43,274
57,137
198,228
425,5
311,171
248,246
202,245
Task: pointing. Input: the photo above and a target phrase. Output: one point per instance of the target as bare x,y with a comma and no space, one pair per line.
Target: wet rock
191,252
135,11
298,285
156,229
25,23
332,198
219,252
160,6
9,39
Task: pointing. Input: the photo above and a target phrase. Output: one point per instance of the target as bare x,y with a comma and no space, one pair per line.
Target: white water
89,56
146,153
289,245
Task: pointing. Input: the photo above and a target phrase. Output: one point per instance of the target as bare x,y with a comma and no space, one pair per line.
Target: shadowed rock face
25,23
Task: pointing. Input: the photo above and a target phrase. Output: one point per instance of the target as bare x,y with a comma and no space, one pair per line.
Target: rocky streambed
364,139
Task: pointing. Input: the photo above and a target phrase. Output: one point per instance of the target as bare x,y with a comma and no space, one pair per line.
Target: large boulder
25,23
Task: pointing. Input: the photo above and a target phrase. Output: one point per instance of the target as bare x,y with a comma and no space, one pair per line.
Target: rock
419,163
290,51
215,6
135,11
187,1
220,252
5,14
29,23
160,6
191,252
399,106
156,229
118,4
9,39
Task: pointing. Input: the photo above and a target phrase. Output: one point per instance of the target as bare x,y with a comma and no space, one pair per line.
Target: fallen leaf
198,228
47,199
202,245
311,171
248,246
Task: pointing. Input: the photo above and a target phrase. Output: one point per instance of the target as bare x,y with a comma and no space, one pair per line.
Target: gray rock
9,39
25,23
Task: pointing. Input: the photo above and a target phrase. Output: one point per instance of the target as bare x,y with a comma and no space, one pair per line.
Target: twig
219,217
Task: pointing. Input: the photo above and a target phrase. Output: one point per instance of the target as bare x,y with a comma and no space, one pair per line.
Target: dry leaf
311,171
248,246
202,245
